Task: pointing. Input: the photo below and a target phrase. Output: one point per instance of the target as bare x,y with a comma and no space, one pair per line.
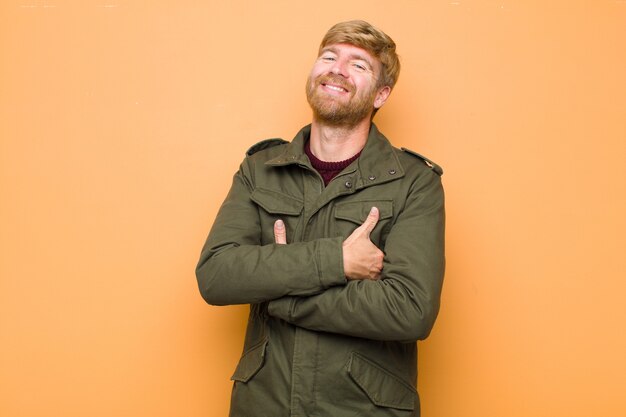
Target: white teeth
332,87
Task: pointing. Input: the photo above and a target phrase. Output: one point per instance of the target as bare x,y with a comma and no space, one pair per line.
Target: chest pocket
277,205
351,214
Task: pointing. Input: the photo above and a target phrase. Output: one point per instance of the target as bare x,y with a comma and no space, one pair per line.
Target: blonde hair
378,43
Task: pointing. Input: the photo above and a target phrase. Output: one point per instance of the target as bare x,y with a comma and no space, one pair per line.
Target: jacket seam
318,262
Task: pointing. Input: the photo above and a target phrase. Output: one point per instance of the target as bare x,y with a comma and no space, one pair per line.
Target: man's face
342,86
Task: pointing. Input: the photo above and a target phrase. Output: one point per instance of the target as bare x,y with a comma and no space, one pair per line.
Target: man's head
353,75
376,42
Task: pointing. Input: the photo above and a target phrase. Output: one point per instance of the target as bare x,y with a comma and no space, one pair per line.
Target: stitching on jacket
318,264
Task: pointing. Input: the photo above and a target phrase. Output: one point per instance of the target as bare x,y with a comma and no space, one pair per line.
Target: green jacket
317,344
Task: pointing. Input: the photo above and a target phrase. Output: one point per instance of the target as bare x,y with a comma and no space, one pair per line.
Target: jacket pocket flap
381,386
357,211
277,203
250,363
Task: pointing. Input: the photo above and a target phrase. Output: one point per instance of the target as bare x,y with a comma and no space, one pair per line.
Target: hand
280,234
361,258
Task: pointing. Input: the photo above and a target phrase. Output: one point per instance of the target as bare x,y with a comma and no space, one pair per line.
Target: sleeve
234,268
403,304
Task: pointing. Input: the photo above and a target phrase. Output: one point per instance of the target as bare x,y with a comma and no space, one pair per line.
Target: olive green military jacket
317,344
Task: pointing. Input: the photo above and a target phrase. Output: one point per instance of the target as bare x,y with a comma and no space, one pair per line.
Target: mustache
333,79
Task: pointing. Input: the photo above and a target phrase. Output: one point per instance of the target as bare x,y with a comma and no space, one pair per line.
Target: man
336,239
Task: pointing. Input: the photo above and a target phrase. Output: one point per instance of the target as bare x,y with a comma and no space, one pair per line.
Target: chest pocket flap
276,202
357,211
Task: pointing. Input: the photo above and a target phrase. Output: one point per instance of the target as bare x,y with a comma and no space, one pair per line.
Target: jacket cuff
280,308
329,259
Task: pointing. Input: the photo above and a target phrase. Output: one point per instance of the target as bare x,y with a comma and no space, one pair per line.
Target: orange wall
121,123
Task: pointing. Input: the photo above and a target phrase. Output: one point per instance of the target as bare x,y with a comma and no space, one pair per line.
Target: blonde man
336,240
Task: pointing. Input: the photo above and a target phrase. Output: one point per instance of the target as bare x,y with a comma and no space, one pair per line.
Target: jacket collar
378,162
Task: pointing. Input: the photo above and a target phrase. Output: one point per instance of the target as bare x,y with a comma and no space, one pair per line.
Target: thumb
280,234
370,222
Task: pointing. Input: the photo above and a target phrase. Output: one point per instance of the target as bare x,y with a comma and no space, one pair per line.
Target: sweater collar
378,161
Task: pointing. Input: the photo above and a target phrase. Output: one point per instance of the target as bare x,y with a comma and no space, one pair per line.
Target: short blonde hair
378,43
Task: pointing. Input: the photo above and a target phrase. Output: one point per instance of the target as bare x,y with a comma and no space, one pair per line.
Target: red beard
332,110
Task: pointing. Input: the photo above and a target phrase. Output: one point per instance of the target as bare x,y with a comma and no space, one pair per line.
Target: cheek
362,83
316,71
319,69
310,81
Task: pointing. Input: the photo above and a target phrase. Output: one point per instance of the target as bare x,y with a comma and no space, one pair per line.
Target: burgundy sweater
328,170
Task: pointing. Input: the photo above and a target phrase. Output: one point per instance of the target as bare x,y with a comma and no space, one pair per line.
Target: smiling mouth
335,88
332,83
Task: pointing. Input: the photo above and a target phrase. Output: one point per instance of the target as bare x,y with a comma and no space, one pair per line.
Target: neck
331,143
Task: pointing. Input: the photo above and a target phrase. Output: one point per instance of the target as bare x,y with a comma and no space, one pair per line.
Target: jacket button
392,171
348,184
372,177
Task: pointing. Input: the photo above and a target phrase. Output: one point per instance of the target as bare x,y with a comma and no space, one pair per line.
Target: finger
280,234
371,220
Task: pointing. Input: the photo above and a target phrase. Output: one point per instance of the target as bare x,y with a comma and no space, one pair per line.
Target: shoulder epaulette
264,144
430,164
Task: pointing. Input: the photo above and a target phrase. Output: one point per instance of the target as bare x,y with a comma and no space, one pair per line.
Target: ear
381,96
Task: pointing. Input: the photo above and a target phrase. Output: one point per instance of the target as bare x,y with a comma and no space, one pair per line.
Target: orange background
122,122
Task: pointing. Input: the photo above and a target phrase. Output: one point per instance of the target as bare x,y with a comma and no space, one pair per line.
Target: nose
340,68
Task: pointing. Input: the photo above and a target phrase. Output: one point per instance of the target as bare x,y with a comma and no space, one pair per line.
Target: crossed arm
339,285
361,258
398,303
